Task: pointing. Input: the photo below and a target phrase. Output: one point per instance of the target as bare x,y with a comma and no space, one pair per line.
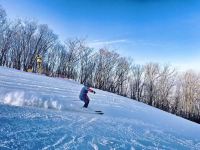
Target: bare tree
189,97
5,36
106,62
165,88
151,77
136,82
122,72
74,48
87,66
53,59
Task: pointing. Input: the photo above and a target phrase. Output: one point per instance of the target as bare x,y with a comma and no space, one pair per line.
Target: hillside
39,112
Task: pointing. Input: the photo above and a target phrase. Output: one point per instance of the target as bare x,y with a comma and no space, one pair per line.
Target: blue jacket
83,93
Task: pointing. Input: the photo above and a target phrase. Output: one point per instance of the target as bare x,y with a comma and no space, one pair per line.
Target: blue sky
164,31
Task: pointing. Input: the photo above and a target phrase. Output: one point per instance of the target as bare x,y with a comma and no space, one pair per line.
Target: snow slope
39,112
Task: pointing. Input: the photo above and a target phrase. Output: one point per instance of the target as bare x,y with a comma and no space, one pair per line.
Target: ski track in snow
126,124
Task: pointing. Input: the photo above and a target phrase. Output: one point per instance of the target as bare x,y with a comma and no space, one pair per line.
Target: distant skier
83,95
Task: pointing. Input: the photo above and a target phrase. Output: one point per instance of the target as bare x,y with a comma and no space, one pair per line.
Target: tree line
161,86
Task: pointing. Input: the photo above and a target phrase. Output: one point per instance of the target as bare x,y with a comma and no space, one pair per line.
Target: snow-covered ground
39,112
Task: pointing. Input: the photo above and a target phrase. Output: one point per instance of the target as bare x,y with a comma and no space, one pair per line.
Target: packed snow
39,112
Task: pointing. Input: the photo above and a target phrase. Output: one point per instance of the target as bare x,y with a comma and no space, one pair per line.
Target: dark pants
86,101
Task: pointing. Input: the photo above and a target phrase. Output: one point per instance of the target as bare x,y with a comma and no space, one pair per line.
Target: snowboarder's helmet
87,84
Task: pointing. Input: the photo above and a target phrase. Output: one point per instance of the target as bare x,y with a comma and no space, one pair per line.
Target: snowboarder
83,95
